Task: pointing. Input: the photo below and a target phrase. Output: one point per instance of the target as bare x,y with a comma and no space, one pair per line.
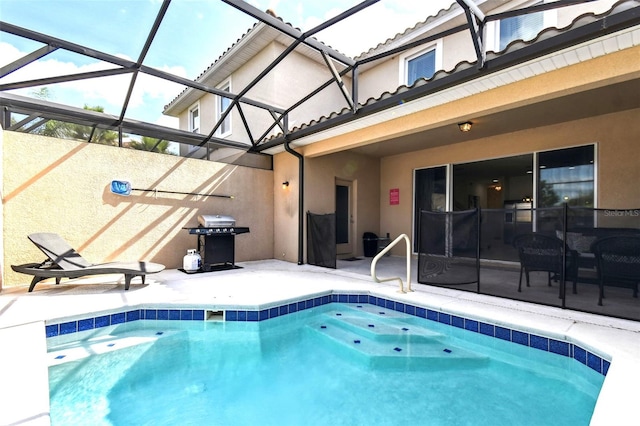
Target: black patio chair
538,252
618,260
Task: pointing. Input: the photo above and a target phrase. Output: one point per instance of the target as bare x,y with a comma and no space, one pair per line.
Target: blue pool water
336,364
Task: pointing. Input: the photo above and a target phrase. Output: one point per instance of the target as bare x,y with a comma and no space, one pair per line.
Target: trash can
383,243
370,244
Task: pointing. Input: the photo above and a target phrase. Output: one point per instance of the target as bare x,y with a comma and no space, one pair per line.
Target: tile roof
407,32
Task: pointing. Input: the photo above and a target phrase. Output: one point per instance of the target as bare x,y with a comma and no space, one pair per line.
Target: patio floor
262,284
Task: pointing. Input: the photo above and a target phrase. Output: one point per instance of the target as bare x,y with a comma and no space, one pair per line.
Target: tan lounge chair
64,262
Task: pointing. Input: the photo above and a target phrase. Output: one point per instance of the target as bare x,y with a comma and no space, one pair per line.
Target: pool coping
617,341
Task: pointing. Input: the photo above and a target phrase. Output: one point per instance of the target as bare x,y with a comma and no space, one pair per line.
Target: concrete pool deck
262,284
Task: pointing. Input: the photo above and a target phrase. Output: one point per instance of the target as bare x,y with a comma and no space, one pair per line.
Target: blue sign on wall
120,187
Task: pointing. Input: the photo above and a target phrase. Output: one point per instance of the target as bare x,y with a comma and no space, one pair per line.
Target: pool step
389,343
387,330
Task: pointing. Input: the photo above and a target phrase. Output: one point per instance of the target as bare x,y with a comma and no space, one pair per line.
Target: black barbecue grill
216,241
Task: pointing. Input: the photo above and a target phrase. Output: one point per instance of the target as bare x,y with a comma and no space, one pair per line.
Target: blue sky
193,35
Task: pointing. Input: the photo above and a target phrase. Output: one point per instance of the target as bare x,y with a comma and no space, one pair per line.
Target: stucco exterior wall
285,207
364,173
258,119
319,182
565,15
618,174
379,79
296,77
61,186
457,48
281,88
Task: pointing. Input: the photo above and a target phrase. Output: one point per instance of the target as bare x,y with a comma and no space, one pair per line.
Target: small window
223,104
194,119
421,66
523,27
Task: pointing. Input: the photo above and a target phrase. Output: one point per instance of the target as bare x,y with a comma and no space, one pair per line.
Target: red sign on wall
394,196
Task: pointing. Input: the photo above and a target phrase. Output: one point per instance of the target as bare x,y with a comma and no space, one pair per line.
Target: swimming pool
328,363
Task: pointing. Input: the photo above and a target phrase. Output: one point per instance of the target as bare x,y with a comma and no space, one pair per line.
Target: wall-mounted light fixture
464,127
285,184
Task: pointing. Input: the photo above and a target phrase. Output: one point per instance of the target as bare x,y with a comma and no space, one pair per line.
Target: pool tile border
563,348
85,324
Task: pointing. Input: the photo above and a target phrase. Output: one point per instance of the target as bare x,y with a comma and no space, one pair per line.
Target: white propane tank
192,261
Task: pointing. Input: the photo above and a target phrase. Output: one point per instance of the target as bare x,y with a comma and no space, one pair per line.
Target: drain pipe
300,199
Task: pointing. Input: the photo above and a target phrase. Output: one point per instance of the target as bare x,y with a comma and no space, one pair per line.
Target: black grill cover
321,240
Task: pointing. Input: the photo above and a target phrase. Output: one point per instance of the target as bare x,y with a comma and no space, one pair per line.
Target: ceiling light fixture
464,127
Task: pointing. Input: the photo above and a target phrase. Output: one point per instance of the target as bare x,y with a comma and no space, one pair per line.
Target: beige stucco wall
364,173
319,183
375,81
285,207
280,88
61,186
292,84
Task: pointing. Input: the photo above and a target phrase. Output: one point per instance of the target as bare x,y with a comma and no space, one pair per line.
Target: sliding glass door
507,190
430,193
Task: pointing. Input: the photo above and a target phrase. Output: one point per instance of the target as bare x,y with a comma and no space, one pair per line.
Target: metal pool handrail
383,252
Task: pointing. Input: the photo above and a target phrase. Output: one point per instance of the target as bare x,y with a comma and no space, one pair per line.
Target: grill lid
214,220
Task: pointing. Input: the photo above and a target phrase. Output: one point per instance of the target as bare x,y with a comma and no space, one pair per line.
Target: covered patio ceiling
590,103
35,111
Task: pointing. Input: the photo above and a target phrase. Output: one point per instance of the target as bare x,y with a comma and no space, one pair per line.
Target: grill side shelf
223,230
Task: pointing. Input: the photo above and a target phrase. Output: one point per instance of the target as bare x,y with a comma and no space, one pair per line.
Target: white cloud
149,87
360,32
150,93
375,24
8,53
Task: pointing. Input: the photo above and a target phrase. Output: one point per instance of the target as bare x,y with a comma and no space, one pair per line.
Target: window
523,27
223,104
421,66
194,119
494,183
566,176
